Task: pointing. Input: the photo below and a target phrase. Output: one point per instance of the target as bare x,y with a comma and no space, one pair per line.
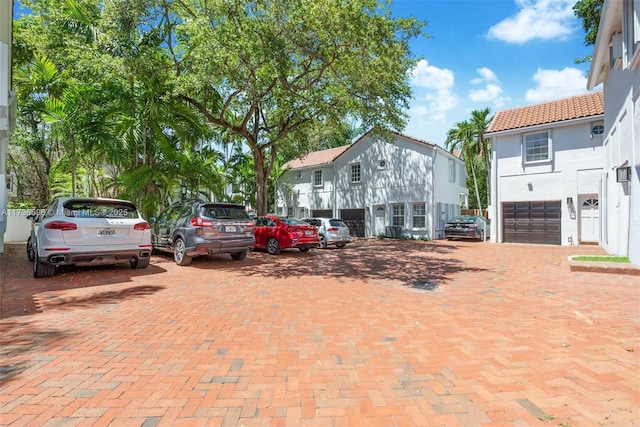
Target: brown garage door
354,218
532,222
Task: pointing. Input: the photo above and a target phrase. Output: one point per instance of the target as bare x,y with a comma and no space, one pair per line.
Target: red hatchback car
275,233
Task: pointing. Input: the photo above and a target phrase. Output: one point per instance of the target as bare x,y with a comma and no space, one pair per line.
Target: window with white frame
355,172
398,215
536,147
317,178
452,170
419,215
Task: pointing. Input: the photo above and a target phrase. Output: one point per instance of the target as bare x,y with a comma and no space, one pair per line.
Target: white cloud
433,92
430,77
536,19
433,100
555,84
486,75
492,91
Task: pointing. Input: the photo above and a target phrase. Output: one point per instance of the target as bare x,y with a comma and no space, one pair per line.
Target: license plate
231,229
308,233
106,232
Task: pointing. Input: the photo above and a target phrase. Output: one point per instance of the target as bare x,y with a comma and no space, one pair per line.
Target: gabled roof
328,156
575,107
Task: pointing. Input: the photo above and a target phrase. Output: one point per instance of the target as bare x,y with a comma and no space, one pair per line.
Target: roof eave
545,125
597,73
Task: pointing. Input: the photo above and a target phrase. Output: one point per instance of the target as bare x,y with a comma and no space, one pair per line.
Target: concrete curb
604,267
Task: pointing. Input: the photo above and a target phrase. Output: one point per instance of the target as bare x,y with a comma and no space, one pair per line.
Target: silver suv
194,228
331,231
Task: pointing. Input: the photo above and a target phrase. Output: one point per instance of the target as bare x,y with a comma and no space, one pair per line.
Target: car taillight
142,226
248,228
201,222
332,229
61,225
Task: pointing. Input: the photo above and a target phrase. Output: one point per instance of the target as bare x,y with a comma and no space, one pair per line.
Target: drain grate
424,285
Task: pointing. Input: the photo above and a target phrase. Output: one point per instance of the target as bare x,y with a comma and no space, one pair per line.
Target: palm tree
462,138
480,121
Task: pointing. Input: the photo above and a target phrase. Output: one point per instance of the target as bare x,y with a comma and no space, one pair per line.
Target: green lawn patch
604,258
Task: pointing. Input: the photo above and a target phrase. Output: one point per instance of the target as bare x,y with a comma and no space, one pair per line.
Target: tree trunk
475,184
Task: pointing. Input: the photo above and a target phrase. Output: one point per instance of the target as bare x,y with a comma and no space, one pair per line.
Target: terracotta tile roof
575,107
316,158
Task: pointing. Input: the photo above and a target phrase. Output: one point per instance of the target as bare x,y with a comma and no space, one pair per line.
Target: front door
379,220
589,218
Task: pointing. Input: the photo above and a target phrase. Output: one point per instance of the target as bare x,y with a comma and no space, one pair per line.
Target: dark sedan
467,227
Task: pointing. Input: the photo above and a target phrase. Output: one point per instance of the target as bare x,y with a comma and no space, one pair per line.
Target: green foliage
20,205
589,11
127,98
600,258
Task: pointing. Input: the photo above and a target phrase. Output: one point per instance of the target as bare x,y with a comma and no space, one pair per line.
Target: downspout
335,190
494,214
434,215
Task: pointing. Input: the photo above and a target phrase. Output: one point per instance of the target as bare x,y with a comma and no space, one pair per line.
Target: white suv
87,231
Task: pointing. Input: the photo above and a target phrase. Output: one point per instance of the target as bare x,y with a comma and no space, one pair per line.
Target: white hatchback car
331,231
86,232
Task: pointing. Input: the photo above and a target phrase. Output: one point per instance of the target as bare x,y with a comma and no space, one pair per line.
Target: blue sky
496,54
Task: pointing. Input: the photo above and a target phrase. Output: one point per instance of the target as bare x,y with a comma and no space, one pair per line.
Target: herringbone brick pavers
330,338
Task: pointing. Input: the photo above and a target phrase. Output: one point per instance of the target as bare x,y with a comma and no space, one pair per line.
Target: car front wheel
180,253
323,242
273,247
482,237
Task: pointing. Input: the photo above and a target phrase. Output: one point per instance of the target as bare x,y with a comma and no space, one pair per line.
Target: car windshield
293,221
224,212
99,209
464,219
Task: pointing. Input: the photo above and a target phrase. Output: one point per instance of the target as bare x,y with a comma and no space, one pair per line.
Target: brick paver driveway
334,337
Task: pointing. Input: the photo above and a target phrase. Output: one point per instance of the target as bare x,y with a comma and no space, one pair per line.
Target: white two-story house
616,65
401,187
546,163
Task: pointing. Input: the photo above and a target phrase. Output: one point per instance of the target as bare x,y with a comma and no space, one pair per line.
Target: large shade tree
268,71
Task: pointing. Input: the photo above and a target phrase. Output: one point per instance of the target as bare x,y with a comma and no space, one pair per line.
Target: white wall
621,232
576,162
18,226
